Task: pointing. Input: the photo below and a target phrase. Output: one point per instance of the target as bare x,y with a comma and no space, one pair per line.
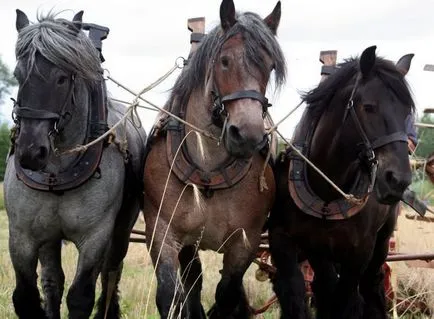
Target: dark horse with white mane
91,197
354,130
201,194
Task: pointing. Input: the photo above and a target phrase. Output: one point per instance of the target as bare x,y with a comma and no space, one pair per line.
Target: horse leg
372,283
191,274
24,256
112,268
230,297
288,281
347,302
323,285
81,295
52,277
164,254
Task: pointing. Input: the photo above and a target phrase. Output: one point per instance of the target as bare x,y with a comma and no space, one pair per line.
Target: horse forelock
61,43
257,37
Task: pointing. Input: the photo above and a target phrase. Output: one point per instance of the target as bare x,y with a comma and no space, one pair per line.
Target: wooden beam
429,67
197,27
328,59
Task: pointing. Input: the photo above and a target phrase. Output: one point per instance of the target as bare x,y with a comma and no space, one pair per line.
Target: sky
147,36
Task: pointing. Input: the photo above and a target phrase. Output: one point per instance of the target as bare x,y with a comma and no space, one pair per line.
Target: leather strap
247,94
27,112
387,139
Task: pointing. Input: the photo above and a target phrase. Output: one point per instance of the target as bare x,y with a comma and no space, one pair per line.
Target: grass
136,280
412,236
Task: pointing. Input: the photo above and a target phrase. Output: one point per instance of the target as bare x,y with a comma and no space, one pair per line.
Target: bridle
219,113
60,119
367,155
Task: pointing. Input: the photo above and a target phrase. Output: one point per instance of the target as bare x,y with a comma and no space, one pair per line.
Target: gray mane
256,34
61,43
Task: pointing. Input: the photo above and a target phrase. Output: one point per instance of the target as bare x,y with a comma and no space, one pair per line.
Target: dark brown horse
354,130
221,90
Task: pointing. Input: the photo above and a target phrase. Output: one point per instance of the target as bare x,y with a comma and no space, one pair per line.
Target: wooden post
328,59
197,27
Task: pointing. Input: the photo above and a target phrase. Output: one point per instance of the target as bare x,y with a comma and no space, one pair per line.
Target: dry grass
415,284
135,284
413,236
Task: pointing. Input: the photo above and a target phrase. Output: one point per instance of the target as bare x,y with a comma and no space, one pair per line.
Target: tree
7,80
426,137
5,143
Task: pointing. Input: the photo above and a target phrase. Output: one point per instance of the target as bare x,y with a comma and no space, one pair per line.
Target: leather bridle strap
247,94
29,113
394,137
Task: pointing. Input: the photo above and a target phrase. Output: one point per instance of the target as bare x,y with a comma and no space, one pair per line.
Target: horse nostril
234,132
390,178
397,181
43,152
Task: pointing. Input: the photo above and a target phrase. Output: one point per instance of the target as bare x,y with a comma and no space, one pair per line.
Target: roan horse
91,198
222,91
354,130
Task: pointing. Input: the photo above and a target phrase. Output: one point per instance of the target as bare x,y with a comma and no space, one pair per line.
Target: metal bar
138,232
137,240
424,125
403,257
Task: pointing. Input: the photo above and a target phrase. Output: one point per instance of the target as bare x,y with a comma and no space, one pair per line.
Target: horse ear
367,61
404,63
78,19
22,20
273,19
227,14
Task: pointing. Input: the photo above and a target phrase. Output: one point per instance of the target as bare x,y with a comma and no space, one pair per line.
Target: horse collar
86,165
225,176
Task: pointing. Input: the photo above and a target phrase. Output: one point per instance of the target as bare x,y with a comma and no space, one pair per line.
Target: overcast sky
147,36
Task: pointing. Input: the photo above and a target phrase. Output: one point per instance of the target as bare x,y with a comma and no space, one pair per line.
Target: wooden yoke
328,59
197,27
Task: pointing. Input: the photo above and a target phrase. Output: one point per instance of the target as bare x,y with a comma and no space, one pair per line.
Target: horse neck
204,152
329,152
75,130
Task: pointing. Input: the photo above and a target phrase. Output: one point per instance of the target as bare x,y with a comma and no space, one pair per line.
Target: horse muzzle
33,157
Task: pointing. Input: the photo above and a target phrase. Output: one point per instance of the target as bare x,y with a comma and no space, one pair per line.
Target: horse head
361,125
53,57
384,105
247,54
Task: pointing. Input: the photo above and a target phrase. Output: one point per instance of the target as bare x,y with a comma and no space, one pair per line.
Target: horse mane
60,42
385,70
256,35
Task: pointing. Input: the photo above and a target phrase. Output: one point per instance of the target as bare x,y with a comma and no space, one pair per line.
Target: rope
129,103
275,126
195,128
131,111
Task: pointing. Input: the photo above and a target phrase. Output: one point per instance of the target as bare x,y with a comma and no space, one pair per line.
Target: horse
201,194
353,130
91,197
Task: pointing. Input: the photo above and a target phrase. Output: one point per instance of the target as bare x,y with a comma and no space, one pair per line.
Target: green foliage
426,137
5,143
7,80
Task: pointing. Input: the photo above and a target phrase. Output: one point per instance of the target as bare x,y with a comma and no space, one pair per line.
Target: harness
304,197
86,163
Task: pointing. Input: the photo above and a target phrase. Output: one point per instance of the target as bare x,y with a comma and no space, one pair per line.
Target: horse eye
62,79
225,61
369,108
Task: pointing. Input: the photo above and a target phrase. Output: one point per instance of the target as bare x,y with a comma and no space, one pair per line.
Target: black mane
256,35
346,73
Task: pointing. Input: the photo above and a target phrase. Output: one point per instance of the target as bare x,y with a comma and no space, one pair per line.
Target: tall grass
412,236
